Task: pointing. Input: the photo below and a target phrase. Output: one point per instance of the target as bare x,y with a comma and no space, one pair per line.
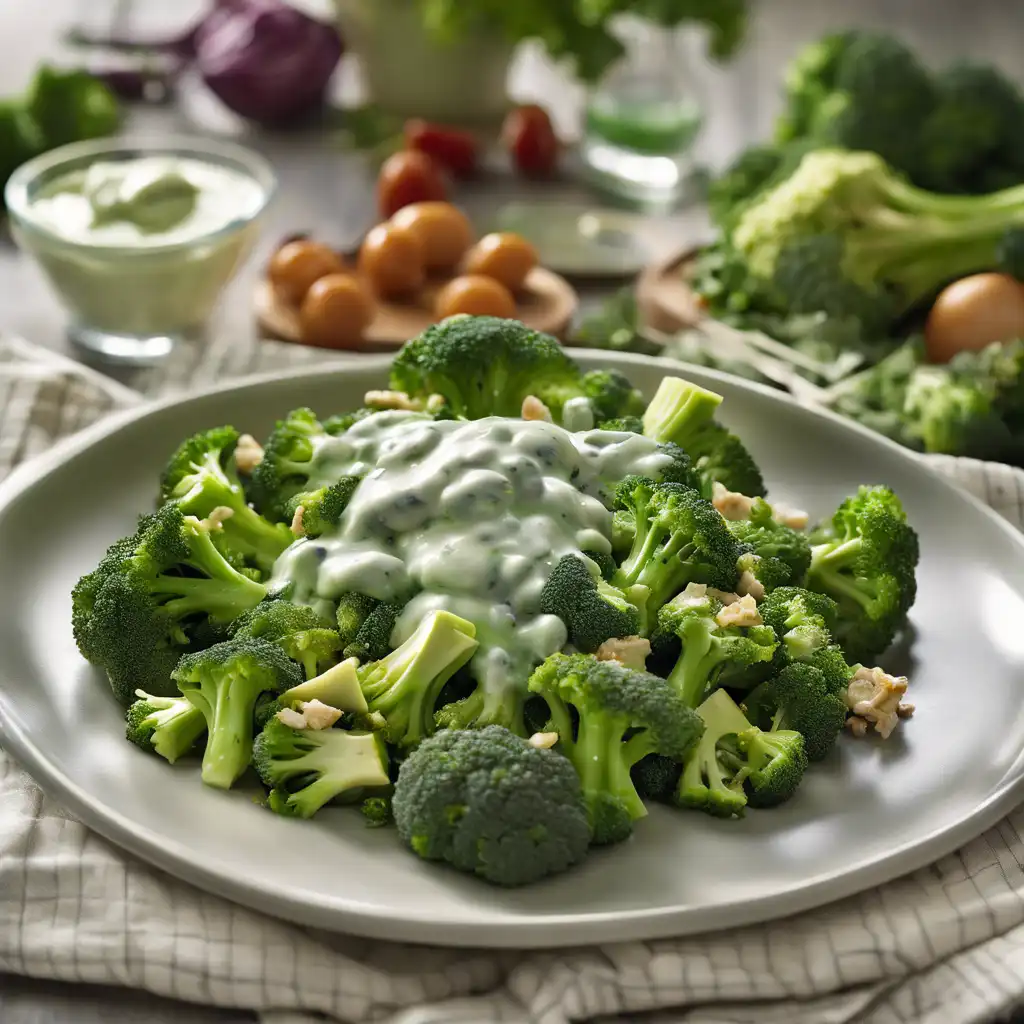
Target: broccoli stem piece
167,726
708,783
678,410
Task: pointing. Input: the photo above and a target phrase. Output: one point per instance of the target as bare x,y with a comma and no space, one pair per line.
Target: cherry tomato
391,260
296,265
454,150
530,139
503,255
408,177
475,295
335,312
444,232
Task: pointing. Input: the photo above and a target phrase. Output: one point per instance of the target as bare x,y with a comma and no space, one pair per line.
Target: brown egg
505,256
336,311
475,295
444,232
391,259
296,265
972,313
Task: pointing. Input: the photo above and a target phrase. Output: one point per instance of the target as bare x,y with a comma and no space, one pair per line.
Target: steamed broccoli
200,478
353,611
287,464
301,633
405,684
307,768
621,717
322,509
224,682
867,563
340,422
488,803
761,535
680,538
486,366
612,395
168,726
136,613
709,650
656,777
373,636
623,425
376,811
337,687
593,610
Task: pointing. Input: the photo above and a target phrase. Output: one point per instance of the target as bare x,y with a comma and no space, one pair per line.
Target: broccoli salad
502,607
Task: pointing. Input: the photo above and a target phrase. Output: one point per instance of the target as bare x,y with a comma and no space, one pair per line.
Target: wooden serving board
665,300
546,303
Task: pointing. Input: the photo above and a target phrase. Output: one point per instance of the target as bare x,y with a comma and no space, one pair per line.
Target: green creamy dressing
469,517
148,200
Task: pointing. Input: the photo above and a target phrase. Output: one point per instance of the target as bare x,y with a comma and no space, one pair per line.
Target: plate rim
555,931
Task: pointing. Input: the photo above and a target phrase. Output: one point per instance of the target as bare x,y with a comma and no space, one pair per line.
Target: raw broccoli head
353,611
763,536
373,636
592,610
167,726
486,366
404,685
490,804
300,632
608,718
287,463
224,682
612,395
304,769
322,509
867,564
745,177
711,651
151,594
680,538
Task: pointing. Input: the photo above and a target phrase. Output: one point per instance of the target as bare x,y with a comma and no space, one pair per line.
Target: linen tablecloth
945,944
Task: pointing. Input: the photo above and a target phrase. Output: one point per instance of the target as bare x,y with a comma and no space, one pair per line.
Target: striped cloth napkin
945,944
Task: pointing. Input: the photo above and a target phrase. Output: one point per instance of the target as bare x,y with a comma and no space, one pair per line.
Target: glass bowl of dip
139,239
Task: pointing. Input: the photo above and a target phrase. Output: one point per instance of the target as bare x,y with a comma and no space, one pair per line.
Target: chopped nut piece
215,520
631,651
435,403
297,528
731,504
906,710
695,593
248,453
392,400
723,596
794,518
535,409
543,740
858,726
293,719
873,696
750,584
318,715
742,613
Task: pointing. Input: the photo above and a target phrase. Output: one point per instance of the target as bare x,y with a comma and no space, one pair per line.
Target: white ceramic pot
408,74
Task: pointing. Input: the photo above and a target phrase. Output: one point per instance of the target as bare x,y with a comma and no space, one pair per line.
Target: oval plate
872,811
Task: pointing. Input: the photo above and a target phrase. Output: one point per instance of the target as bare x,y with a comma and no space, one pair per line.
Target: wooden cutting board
547,303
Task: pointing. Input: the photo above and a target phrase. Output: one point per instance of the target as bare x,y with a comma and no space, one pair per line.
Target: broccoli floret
680,538
307,768
799,698
287,463
868,566
711,651
612,395
405,684
605,563
709,780
621,716
376,811
623,425
168,726
338,687
761,535
681,469
340,422
770,573
683,413
151,594
592,610
770,765
304,635
322,509
656,777
623,531
224,682
489,804
745,177
895,241
1011,254
486,366
802,621
373,638
200,477
353,611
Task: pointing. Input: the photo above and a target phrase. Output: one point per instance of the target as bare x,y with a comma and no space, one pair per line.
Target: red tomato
408,177
454,150
531,141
